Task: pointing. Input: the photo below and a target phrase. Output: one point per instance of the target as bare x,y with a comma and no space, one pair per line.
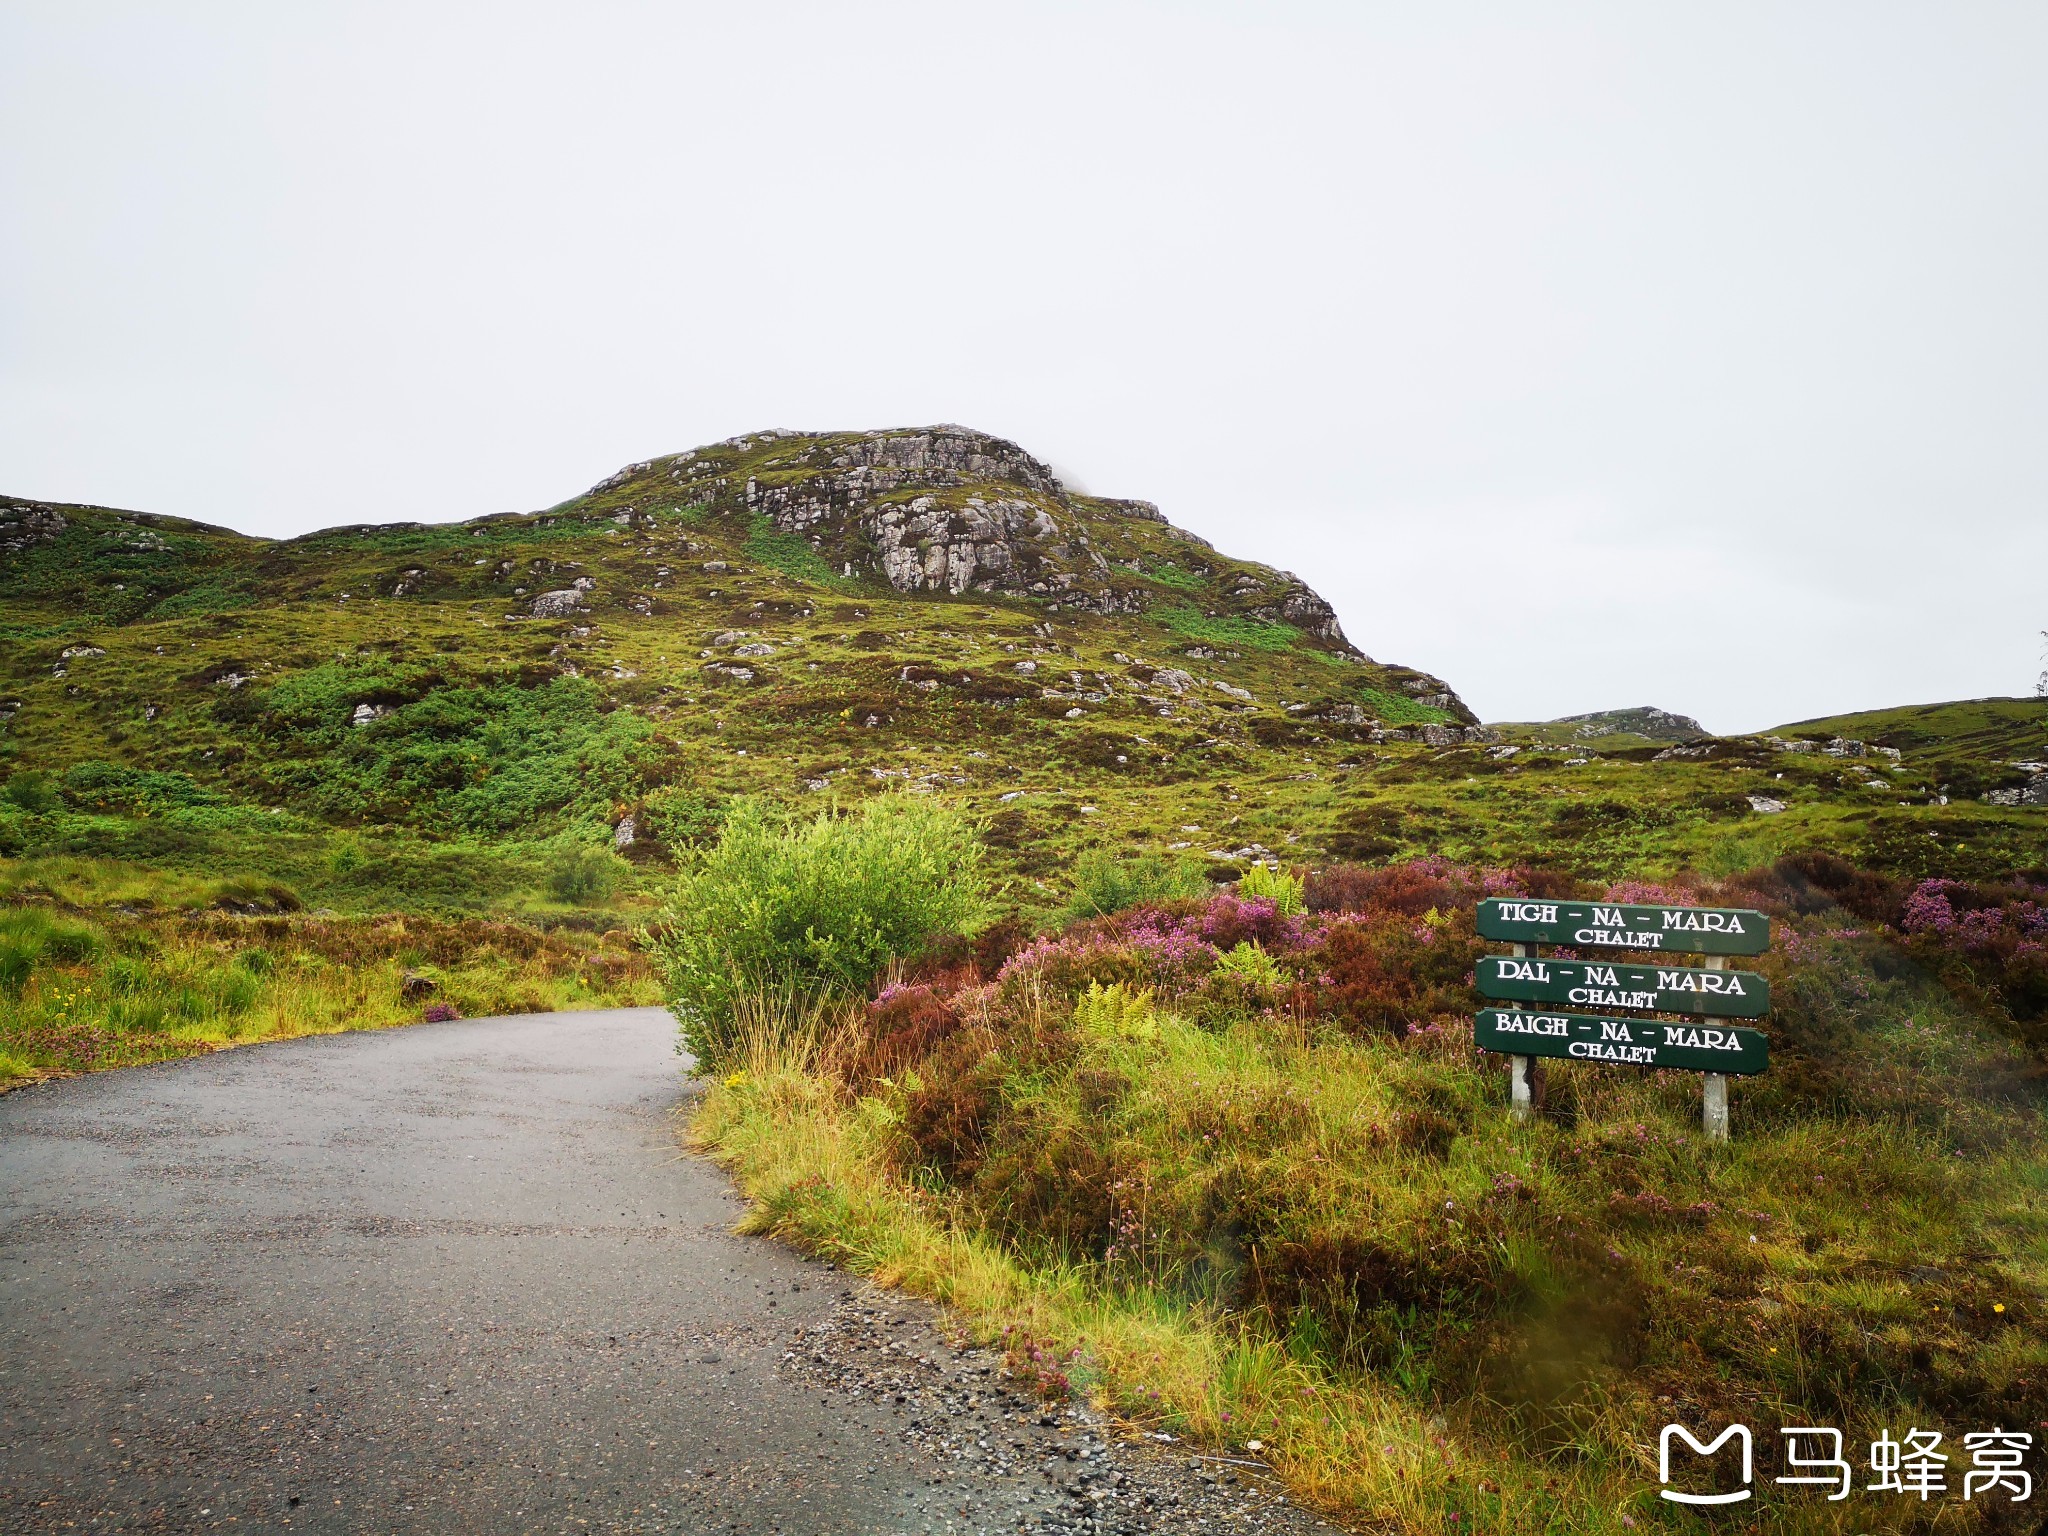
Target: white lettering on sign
1622,940
1602,997
1702,1039
1528,912
1533,1024
1607,917
1524,970
1615,1029
1722,983
1601,976
1601,1050
1690,920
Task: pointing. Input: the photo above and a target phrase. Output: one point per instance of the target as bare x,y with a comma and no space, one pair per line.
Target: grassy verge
1242,1174
820,1174
82,990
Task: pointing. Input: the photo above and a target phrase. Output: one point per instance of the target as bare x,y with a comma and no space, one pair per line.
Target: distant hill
1612,726
1972,747
786,614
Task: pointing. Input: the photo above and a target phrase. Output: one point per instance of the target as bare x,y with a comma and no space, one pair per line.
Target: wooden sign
1673,930
1595,984
1691,1046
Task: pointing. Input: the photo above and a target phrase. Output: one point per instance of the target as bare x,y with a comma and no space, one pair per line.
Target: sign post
1694,1042
1714,1085
1522,1069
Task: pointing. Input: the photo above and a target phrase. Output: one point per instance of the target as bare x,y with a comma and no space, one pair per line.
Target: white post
1521,1069
1714,1092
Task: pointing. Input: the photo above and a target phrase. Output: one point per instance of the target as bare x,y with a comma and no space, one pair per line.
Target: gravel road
459,1278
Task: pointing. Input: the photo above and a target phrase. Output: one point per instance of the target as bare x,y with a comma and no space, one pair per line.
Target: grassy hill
462,722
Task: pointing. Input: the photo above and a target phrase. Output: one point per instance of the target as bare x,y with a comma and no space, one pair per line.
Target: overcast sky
1588,356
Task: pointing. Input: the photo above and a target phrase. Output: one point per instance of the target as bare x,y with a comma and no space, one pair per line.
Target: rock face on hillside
1656,724
950,510
24,524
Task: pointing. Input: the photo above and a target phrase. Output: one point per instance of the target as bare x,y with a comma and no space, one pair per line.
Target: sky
1585,355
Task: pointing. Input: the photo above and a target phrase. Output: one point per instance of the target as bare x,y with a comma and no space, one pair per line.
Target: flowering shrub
1993,938
441,1013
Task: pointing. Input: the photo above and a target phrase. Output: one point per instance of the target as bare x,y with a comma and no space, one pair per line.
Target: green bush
31,791
582,875
72,943
252,893
681,816
789,553
792,908
28,936
1104,883
98,786
1222,629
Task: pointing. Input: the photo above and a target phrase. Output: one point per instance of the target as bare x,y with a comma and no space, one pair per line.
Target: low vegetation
1233,1166
103,966
806,911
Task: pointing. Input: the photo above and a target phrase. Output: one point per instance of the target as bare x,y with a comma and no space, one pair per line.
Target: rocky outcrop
1655,724
25,524
984,546
958,453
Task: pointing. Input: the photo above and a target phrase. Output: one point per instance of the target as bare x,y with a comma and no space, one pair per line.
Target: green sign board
1675,930
1593,984
1688,1047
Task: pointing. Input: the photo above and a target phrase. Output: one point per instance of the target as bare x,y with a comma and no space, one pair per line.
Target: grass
1253,1212
1225,630
1399,710
81,991
789,553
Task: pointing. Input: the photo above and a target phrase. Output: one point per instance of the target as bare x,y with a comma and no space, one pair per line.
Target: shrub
1250,965
1104,883
1226,630
72,943
789,553
581,875
1277,886
683,817
783,907
33,792
103,786
251,893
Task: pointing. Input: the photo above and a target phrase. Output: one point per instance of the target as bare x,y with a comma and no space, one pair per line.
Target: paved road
452,1278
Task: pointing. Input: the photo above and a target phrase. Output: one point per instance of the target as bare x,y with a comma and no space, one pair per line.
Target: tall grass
786,908
80,992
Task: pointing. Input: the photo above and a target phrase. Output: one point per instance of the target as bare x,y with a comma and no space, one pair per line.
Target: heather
1237,1170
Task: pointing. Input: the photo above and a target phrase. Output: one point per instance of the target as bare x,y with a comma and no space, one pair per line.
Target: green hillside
1970,748
460,723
